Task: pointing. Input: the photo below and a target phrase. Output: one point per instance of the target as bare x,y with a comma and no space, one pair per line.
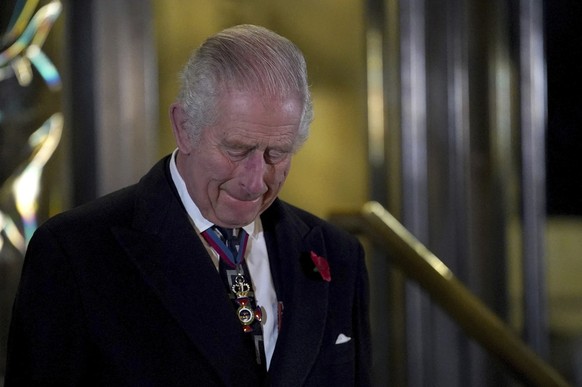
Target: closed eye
274,156
271,155
237,153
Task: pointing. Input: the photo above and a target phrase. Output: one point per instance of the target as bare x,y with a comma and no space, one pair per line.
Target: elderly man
199,274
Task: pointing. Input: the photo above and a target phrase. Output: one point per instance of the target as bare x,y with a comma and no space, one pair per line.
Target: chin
239,218
241,213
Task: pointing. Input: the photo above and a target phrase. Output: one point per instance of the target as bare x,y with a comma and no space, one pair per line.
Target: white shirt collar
200,222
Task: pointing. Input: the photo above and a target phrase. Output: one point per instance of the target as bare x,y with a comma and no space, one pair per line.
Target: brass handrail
419,264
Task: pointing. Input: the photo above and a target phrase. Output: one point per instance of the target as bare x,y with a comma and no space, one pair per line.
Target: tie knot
227,234
228,245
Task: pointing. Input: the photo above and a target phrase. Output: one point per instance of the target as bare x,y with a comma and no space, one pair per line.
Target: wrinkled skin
238,166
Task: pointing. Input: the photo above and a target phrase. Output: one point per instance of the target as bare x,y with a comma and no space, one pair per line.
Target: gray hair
243,58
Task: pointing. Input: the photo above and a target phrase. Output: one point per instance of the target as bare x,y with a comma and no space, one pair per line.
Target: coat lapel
173,261
304,295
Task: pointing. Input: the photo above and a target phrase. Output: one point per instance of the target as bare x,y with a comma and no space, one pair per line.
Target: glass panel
31,126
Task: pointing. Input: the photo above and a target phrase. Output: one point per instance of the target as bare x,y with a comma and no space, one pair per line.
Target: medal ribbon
250,316
227,254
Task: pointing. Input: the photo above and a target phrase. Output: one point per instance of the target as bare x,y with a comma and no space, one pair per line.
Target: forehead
245,114
264,105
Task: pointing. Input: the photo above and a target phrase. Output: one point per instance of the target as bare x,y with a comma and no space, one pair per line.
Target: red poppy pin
321,266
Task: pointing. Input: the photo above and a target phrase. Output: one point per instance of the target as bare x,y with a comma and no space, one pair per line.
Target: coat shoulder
114,208
118,208
311,221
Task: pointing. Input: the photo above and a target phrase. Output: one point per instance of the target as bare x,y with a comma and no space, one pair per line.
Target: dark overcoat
121,292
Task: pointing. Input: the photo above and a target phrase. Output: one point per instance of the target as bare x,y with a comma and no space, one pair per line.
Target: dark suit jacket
121,292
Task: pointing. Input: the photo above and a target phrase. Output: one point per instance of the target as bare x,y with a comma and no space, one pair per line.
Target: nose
253,175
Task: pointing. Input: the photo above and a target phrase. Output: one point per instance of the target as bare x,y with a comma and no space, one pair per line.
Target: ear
178,119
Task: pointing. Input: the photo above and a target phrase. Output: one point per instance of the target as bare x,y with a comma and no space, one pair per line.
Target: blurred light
15,237
375,97
26,186
29,43
19,20
23,71
44,66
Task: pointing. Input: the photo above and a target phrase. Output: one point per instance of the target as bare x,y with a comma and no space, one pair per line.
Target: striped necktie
231,245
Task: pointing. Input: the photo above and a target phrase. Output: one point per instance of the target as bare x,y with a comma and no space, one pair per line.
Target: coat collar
174,262
303,294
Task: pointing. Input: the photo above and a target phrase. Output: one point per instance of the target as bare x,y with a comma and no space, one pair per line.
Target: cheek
219,168
207,175
283,172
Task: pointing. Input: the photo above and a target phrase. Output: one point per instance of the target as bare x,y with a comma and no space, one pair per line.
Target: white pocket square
342,339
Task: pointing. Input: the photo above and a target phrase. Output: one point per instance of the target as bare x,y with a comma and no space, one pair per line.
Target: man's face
238,166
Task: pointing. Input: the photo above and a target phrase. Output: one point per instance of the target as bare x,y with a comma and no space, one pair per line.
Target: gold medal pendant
245,312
